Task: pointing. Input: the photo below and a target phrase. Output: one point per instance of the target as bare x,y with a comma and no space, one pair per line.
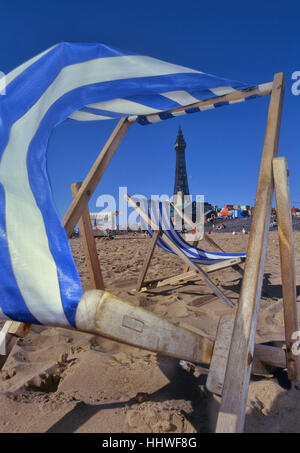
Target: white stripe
13,74
124,106
154,119
181,97
206,107
181,112
237,101
265,87
220,91
34,267
132,119
86,116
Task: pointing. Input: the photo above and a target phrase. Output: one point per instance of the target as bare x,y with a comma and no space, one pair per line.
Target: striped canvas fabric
39,282
160,214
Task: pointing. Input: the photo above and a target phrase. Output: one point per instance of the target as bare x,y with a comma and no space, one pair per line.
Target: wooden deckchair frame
198,270
232,410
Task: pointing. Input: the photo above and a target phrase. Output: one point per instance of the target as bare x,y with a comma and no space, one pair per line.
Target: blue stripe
220,104
193,110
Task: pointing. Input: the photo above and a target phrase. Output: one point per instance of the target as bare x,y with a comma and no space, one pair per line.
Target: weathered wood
265,357
89,244
287,259
90,183
264,90
233,406
10,333
148,257
181,254
104,314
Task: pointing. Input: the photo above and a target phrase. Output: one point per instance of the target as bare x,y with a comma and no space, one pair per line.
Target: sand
58,380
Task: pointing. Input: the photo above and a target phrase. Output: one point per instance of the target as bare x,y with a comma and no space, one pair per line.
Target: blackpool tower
181,181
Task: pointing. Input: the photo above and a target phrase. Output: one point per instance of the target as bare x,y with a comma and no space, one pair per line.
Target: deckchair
160,227
39,283
158,216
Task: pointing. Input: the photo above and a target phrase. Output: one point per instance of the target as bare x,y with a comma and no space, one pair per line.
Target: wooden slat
181,254
266,358
231,97
233,406
89,244
148,257
90,183
104,314
287,260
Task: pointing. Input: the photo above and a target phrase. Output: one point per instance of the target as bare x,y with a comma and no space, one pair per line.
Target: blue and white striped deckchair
156,216
160,213
39,282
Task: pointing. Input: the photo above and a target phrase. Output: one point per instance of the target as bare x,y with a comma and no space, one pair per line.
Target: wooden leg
233,406
194,244
287,260
90,183
89,244
148,257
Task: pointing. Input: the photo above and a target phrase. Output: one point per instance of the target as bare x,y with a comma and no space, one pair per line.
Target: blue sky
237,40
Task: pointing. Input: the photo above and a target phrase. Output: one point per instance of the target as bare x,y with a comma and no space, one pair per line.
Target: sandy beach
59,380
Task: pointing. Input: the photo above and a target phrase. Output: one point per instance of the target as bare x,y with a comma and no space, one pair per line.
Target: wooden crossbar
236,96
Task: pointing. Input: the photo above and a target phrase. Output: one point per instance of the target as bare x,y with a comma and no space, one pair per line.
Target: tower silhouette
181,181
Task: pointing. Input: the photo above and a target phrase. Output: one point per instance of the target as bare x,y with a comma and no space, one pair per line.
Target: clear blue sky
247,41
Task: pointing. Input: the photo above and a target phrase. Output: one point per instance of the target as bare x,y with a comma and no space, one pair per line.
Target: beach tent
39,282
